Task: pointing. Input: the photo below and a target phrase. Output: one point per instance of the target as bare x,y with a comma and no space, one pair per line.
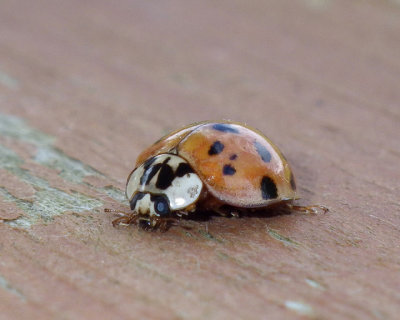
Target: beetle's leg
162,224
145,223
228,212
314,209
119,220
130,218
180,214
154,223
235,214
125,217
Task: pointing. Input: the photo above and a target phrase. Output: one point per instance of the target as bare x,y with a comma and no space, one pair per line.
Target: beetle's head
145,203
161,185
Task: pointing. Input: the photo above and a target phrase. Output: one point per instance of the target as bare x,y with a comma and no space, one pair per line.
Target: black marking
151,171
161,205
228,170
216,148
165,177
224,127
183,168
135,199
263,152
292,181
233,156
148,163
268,188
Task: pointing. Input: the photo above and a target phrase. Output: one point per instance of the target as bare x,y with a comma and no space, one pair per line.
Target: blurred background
142,68
85,86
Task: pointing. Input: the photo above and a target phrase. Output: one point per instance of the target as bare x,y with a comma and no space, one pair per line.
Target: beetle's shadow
238,213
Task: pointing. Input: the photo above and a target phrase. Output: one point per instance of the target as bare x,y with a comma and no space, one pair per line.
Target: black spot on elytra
292,181
216,148
268,188
228,170
224,127
183,169
165,177
135,199
262,151
233,156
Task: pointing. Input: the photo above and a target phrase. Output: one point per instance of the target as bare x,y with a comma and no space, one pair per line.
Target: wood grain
86,85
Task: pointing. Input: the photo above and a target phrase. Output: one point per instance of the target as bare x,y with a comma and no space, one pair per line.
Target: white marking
133,183
145,206
182,193
178,191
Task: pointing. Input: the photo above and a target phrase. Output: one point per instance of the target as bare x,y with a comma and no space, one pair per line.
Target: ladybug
220,166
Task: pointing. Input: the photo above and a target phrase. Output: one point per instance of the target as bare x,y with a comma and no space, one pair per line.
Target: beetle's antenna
119,212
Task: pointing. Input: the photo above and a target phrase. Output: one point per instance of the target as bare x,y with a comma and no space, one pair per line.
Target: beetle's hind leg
229,212
313,209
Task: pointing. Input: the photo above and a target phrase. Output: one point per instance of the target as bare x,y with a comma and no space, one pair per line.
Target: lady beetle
222,166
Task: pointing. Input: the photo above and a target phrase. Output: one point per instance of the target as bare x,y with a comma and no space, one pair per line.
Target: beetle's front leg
127,219
157,223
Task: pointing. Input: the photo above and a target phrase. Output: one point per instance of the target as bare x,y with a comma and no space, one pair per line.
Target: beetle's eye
161,206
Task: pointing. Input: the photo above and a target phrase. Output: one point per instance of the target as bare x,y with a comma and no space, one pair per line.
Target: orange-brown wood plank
85,86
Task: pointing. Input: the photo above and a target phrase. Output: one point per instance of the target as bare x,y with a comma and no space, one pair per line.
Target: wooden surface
86,85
